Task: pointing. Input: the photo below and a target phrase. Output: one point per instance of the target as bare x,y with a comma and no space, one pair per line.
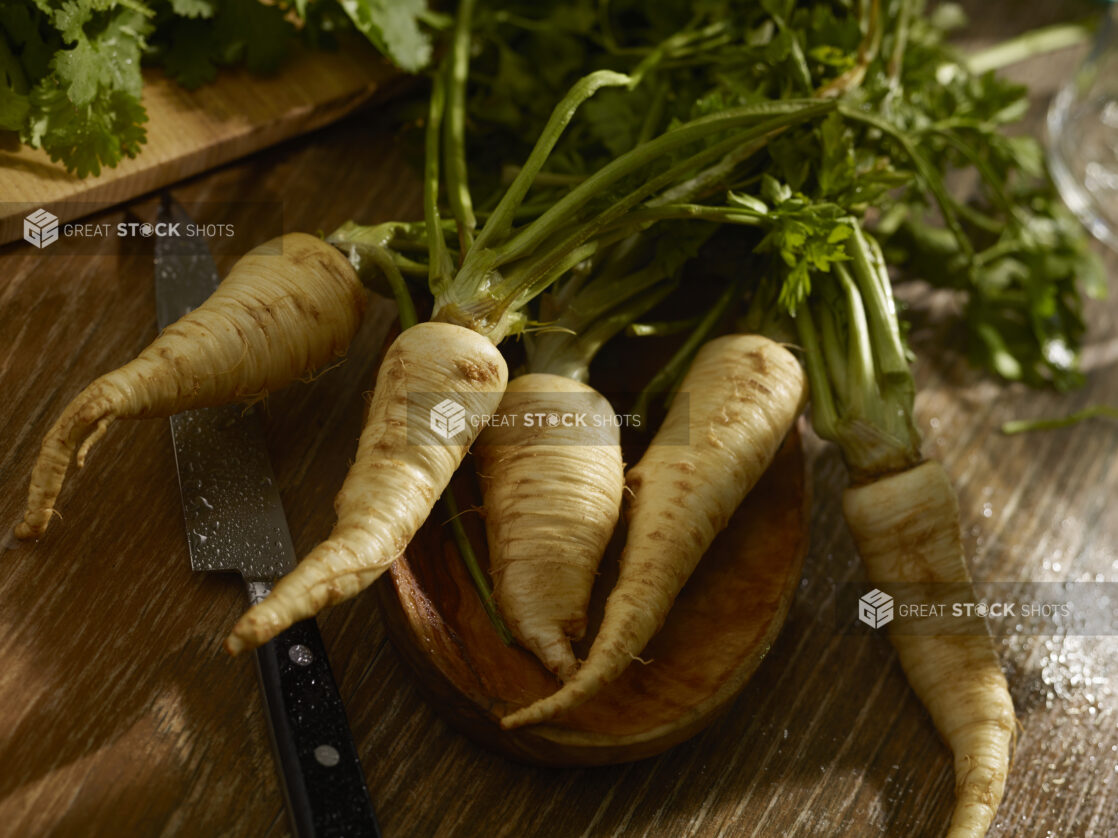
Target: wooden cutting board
192,131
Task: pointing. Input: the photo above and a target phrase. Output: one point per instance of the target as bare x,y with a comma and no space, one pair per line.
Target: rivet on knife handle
324,783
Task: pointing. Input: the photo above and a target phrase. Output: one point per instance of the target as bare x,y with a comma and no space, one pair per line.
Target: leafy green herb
248,32
70,73
72,80
393,27
911,110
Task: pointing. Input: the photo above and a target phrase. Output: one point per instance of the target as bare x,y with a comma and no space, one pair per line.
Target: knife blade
235,522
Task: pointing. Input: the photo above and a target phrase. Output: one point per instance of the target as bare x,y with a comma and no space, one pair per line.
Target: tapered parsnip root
552,492
907,530
286,308
736,403
402,465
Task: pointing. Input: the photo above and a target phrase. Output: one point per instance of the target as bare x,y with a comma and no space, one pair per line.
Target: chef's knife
235,521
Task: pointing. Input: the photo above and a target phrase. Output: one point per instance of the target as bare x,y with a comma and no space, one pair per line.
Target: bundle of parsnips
611,143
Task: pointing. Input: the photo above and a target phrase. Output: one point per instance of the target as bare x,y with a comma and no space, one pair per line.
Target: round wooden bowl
721,626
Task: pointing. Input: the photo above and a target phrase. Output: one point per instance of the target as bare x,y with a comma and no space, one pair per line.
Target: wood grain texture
119,715
192,131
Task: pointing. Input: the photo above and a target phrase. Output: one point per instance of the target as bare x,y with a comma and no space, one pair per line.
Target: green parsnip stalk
454,144
911,108
1096,411
861,385
482,294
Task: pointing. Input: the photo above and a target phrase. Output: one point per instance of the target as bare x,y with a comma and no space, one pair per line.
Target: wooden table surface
120,715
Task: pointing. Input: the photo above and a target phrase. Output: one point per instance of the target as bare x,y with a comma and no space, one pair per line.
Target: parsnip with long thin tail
401,467
287,307
906,526
904,517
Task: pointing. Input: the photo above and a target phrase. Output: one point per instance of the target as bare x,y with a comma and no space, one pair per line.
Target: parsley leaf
70,71
85,111
194,8
102,132
393,27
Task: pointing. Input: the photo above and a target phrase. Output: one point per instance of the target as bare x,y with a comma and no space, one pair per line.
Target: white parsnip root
401,467
907,530
286,308
552,491
737,402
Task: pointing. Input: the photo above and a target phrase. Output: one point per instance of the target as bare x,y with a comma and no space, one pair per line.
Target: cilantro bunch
70,72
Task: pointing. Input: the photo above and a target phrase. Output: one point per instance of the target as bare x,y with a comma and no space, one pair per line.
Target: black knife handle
321,773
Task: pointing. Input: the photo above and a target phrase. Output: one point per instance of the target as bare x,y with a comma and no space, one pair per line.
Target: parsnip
905,520
735,405
906,526
286,308
552,494
401,466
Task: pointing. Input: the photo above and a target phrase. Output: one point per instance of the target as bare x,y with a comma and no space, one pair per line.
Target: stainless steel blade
185,273
233,512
